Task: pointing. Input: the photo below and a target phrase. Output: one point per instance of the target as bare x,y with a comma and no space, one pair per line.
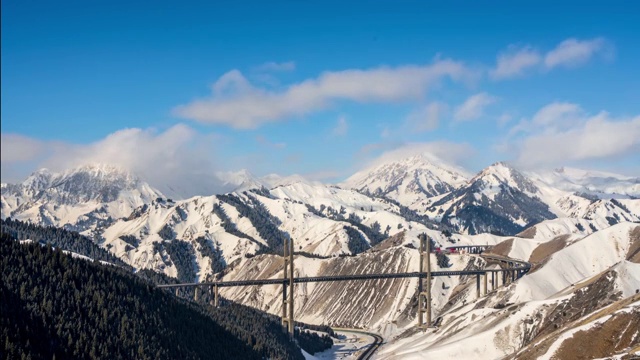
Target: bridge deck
519,265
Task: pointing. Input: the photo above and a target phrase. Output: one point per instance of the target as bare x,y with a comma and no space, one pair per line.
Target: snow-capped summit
409,180
39,180
86,193
501,173
99,182
499,199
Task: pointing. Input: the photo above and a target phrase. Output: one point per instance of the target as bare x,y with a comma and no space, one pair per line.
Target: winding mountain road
368,353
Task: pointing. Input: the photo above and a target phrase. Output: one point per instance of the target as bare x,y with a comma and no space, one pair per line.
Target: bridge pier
287,303
177,291
477,286
215,301
485,283
424,297
196,296
493,281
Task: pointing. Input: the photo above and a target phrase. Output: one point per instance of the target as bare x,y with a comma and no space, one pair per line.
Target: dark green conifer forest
53,304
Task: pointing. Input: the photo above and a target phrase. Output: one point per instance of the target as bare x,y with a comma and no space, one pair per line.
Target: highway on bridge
517,265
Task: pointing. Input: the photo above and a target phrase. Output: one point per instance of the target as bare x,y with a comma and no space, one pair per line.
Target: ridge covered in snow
80,198
597,183
409,180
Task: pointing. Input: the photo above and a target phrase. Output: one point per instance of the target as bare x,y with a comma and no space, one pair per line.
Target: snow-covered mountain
408,181
503,200
80,199
325,221
499,199
595,183
580,291
574,240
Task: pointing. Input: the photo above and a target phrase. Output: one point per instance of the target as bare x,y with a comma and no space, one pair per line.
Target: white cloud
473,107
18,148
573,52
558,114
341,128
426,118
237,103
514,61
276,67
177,157
562,133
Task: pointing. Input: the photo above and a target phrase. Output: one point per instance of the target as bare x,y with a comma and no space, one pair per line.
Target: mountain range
577,227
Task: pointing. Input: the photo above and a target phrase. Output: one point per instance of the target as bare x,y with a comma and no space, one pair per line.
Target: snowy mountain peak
100,183
103,174
408,180
101,170
80,199
37,181
502,173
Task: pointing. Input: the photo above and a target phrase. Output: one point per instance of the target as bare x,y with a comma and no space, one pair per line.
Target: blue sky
318,88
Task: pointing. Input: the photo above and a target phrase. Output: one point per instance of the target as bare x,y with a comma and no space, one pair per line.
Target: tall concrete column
477,286
424,297
196,296
485,283
421,309
493,280
216,299
291,321
285,256
287,302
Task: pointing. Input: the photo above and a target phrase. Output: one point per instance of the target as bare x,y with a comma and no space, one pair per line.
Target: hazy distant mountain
597,183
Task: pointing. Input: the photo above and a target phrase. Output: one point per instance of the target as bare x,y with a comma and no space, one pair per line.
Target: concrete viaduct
509,271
